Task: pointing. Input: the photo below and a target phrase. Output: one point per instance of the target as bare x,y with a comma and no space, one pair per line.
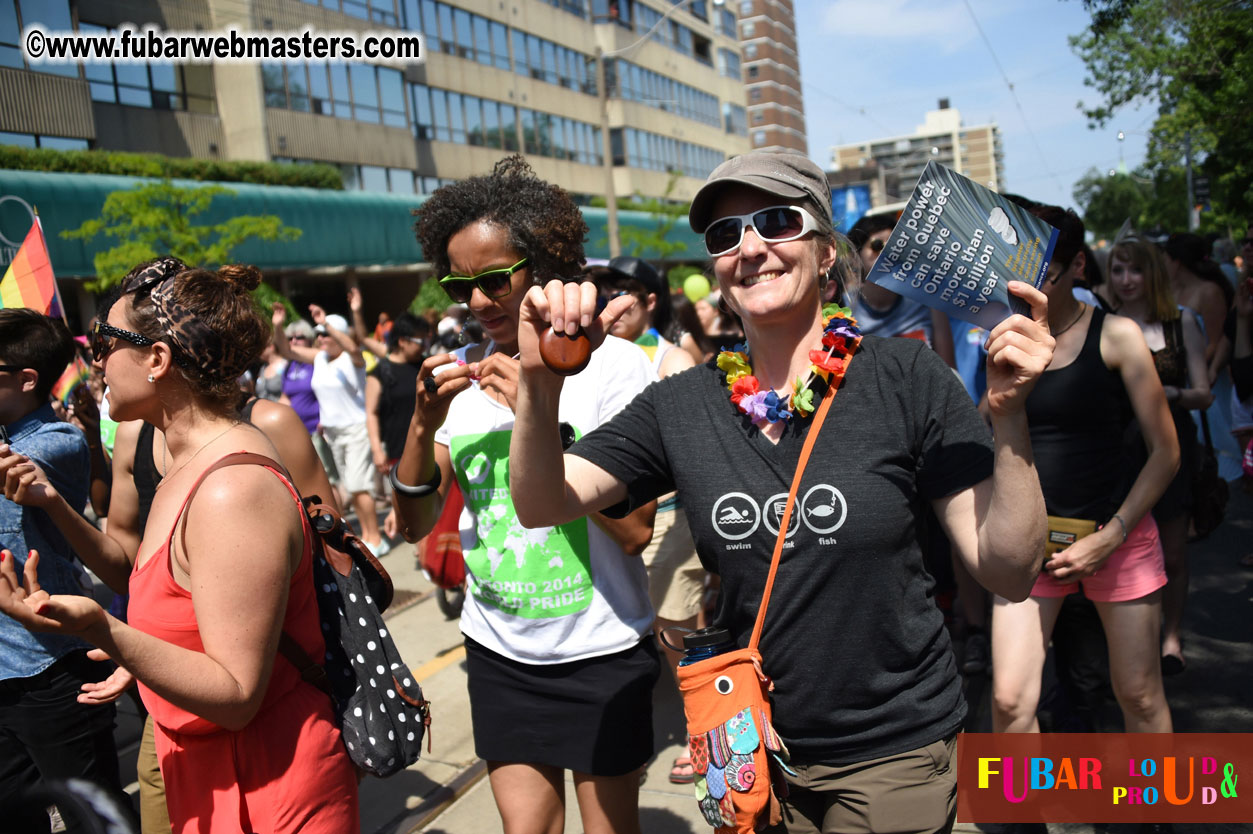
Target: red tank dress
287,771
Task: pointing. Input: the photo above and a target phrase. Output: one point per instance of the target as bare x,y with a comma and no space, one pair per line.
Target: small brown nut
565,355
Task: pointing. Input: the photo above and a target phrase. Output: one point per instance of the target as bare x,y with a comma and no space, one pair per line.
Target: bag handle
785,521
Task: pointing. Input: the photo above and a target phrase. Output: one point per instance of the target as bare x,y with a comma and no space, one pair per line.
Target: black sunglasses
493,283
104,338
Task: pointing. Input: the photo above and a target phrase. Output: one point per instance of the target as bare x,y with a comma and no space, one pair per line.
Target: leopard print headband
201,347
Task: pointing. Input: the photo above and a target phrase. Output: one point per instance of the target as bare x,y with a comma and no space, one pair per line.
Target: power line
856,108
1013,94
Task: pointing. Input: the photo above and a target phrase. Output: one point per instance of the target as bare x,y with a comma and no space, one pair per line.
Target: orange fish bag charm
733,744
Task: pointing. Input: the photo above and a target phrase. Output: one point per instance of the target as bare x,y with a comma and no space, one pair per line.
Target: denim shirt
61,451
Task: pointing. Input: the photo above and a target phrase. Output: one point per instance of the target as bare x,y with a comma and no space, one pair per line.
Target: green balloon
696,287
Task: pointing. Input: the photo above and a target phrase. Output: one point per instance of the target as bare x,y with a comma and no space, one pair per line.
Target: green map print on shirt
537,574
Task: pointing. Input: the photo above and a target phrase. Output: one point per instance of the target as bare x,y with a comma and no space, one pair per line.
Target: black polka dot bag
382,713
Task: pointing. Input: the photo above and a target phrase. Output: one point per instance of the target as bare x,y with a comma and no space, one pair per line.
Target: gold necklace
170,474
1082,309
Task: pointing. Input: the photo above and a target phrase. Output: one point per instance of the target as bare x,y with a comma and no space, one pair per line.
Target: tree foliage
1192,58
652,243
319,175
431,296
158,218
1151,200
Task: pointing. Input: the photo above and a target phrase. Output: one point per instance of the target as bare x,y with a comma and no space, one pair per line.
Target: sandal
682,772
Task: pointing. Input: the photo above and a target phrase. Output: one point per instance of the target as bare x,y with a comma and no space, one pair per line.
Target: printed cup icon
999,221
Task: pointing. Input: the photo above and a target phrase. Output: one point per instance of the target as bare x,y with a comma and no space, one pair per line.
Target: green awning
340,228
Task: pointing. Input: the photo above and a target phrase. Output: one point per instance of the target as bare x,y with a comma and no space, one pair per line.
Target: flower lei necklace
840,337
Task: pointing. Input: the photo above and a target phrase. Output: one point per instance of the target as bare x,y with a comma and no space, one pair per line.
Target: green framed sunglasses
493,283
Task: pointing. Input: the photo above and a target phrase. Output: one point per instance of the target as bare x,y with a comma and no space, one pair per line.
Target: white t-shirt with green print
551,594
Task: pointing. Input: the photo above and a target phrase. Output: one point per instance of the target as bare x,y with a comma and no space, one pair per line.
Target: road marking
445,660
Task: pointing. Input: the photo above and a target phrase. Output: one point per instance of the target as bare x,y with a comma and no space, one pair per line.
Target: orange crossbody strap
786,520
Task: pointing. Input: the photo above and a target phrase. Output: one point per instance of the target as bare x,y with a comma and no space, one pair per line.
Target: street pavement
447,791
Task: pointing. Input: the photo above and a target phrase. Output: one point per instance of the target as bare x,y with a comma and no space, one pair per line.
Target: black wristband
419,491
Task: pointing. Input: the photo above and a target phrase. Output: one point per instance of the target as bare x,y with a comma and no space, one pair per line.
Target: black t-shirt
398,393
861,662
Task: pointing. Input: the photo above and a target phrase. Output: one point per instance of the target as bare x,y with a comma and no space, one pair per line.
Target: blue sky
872,68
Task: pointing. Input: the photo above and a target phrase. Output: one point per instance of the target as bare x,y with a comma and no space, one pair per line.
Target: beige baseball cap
787,175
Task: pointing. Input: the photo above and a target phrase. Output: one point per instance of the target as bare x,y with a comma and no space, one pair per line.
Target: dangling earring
151,378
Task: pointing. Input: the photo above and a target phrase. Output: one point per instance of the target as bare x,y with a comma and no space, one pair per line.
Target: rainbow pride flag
76,374
29,282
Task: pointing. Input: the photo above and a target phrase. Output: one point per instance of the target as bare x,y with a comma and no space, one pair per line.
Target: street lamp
602,91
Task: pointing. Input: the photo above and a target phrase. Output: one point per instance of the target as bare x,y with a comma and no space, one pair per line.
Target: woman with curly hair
224,568
556,619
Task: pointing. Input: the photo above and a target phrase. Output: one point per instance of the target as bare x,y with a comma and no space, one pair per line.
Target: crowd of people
950,458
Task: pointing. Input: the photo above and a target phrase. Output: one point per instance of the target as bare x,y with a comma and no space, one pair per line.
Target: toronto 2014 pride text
1021,775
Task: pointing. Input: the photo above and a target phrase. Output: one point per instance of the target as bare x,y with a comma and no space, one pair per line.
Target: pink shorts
1136,569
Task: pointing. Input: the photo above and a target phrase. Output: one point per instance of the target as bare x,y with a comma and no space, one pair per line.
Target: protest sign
958,245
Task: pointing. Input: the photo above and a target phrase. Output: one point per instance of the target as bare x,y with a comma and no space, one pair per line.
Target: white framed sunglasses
776,224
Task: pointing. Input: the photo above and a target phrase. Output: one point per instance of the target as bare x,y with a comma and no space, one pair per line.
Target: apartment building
498,76
772,80
894,163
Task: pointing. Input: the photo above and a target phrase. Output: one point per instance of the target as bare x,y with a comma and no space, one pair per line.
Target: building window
16,15
746,8
747,28
34,140
354,91
157,86
759,138
750,51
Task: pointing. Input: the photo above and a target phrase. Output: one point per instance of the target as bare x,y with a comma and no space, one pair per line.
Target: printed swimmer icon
735,516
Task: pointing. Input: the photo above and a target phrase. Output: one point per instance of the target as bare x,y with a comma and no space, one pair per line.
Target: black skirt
591,716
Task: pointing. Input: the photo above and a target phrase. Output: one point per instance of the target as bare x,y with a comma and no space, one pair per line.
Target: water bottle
704,643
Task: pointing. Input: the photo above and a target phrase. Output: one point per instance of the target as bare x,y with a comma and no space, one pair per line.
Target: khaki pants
154,818
913,792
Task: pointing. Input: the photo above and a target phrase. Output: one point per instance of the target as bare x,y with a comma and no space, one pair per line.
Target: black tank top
146,475
1077,415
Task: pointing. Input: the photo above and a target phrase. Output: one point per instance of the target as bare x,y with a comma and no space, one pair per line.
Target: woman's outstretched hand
1019,350
108,690
567,306
32,606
